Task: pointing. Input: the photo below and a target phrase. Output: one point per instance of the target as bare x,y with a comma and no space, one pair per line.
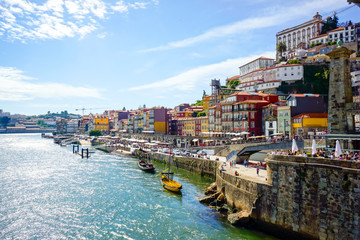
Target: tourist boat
147,167
168,183
167,179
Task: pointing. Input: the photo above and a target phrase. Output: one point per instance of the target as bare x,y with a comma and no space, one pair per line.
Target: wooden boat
147,167
168,183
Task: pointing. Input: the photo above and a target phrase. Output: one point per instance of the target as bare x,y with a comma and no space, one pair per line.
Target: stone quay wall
314,197
203,167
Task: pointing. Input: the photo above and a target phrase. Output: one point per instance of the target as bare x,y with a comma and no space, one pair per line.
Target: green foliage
293,61
281,47
330,24
233,83
316,80
282,59
199,103
95,133
4,121
41,123
200,114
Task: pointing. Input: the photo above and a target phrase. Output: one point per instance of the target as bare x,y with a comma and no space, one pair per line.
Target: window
270,124
252,124
285,74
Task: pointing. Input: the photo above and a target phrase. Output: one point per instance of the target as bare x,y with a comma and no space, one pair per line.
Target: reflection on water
46,192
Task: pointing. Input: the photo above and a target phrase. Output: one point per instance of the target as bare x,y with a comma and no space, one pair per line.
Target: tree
350,23
4,121
281,47
233,83
198,103
95,133
294,61
330,24
200,114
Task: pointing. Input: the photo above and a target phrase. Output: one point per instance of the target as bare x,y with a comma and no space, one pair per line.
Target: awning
244,133
257,137
195,140
277,134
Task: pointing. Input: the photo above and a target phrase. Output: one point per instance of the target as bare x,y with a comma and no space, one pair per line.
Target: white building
345,34
270,78
260,62
298,37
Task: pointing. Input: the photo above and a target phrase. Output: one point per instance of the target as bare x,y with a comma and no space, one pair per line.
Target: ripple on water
46,192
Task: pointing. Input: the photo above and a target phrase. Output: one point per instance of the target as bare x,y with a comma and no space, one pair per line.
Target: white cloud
15,86
57,19
200,76
121,7
274,16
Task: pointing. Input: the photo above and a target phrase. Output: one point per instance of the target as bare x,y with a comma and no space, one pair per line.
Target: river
47,192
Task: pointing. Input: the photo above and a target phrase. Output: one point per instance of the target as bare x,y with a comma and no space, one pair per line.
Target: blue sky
60,55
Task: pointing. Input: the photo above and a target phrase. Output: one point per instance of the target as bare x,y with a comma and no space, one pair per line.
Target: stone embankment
309,198
300,197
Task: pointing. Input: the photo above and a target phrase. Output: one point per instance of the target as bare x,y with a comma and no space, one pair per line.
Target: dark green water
47,192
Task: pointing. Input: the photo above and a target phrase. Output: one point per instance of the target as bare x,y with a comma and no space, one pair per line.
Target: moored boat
168,183
147,167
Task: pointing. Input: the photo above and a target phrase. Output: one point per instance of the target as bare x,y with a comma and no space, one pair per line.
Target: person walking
257,169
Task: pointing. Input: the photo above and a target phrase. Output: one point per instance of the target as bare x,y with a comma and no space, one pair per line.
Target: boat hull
146,167
170,184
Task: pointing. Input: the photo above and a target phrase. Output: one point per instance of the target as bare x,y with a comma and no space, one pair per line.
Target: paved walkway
246,172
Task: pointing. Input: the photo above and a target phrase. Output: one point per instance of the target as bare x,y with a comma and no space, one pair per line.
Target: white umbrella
338,150
294,147
313,148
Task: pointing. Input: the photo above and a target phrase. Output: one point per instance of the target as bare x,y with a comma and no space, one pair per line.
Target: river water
47,192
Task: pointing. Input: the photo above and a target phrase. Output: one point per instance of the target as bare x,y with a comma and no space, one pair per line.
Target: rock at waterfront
240,218
223,209
211,189
209,199
221,199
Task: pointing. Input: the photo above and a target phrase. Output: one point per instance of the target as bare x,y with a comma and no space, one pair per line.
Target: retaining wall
313,197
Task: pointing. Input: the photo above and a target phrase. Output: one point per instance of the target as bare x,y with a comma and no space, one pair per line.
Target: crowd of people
347,155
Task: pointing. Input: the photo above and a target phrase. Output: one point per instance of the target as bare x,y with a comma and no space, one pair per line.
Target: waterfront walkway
244,172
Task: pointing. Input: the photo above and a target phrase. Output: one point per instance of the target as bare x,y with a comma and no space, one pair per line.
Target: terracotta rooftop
234,77
337,29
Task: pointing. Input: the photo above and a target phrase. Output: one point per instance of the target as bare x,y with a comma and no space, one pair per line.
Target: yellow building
206,102
188,126
204,126
101,123
309,122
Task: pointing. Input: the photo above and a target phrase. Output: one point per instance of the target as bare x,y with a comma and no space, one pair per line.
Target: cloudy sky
60,55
